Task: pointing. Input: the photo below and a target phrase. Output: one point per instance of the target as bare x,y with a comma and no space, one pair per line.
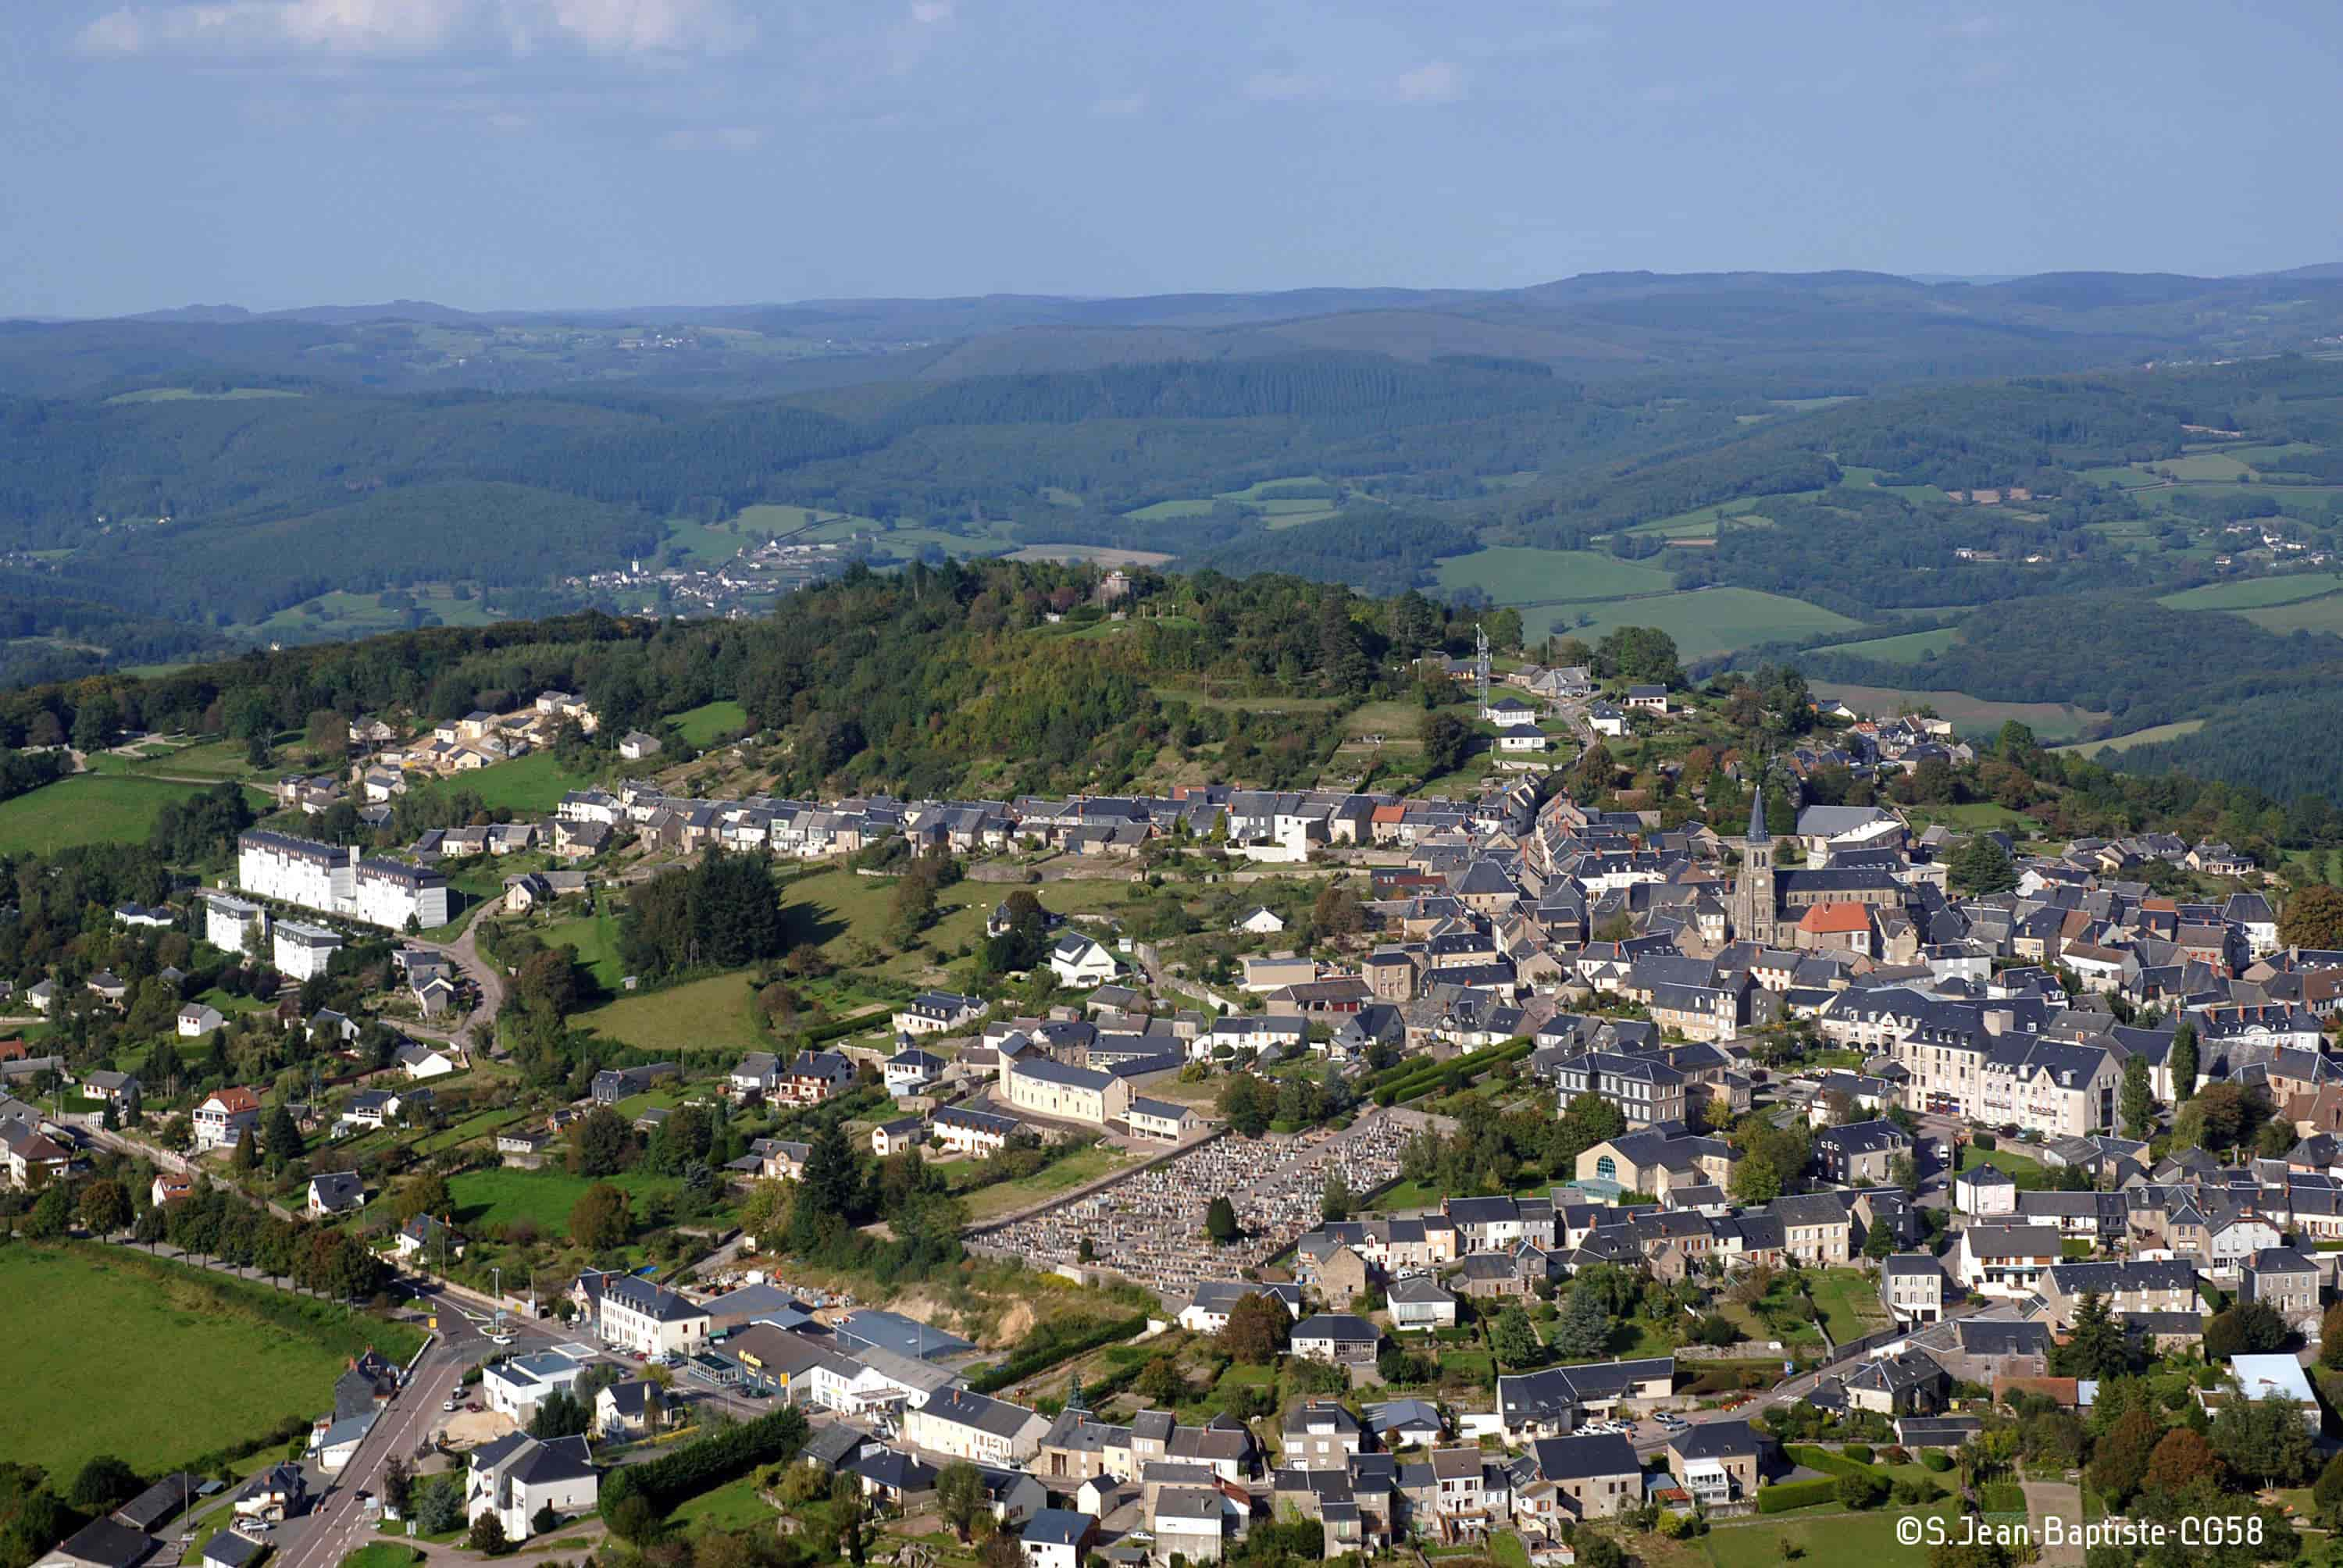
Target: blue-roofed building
872,1330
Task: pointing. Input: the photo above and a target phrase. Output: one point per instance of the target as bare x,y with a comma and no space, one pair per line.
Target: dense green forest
927,681
2145,663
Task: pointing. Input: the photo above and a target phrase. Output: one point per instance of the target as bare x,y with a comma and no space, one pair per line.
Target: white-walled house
1080,963
516,1386
515,1477
969,1426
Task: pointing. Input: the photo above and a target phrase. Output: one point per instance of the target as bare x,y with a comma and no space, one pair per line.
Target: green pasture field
487,1199
530,786
1906,647
2324,614
1969,715
87,808
2255,593
704,724
345,615
701,1015
2148,737
596,937
183,1370
189,395
1703,621
1518,574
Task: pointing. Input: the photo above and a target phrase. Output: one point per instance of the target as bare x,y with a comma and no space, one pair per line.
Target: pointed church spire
1757,834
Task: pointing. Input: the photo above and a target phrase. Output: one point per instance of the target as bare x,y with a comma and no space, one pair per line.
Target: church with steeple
1769,904
1756,907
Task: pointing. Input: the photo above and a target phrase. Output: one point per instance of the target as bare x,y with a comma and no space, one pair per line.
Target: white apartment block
391,892
335,881
305,951
234,925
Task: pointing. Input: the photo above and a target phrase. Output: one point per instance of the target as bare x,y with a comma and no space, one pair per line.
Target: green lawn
2254,593
703,725
1519,574
218,760
1827,1537
1849,1303
86,809
596,937
487,1199
382,1554
528,786
735,1505
2007,1160
187,1374
709,1014
1006,1197
1975,816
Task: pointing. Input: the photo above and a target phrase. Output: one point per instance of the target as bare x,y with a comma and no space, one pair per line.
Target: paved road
487,983
337,1523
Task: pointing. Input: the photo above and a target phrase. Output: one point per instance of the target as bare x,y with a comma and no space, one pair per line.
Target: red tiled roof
235,1099
1835,918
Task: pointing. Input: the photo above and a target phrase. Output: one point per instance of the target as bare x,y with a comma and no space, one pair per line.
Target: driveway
488,981
2064,1500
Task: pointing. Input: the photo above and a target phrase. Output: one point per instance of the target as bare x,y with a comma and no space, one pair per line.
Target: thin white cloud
1122,107
413,27
644,27
713,139
933,13
1433,82
242,26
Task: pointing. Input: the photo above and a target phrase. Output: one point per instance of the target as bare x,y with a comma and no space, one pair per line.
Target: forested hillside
2109,541
994,678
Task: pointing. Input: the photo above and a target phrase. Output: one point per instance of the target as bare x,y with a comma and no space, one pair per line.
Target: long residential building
336,881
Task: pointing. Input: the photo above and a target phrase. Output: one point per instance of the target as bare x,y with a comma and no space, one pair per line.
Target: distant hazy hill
1877,328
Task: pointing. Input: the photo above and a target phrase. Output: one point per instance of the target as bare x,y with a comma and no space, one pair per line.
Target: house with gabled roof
516,1477
971,1426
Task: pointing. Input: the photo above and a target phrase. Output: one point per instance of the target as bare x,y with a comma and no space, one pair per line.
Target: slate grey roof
1584,1457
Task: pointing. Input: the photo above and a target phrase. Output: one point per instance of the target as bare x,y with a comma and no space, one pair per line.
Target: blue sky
545,153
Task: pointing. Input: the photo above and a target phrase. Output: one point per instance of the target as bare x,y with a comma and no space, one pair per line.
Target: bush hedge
1828,1462
1053,1349
709,1462
1796,1494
